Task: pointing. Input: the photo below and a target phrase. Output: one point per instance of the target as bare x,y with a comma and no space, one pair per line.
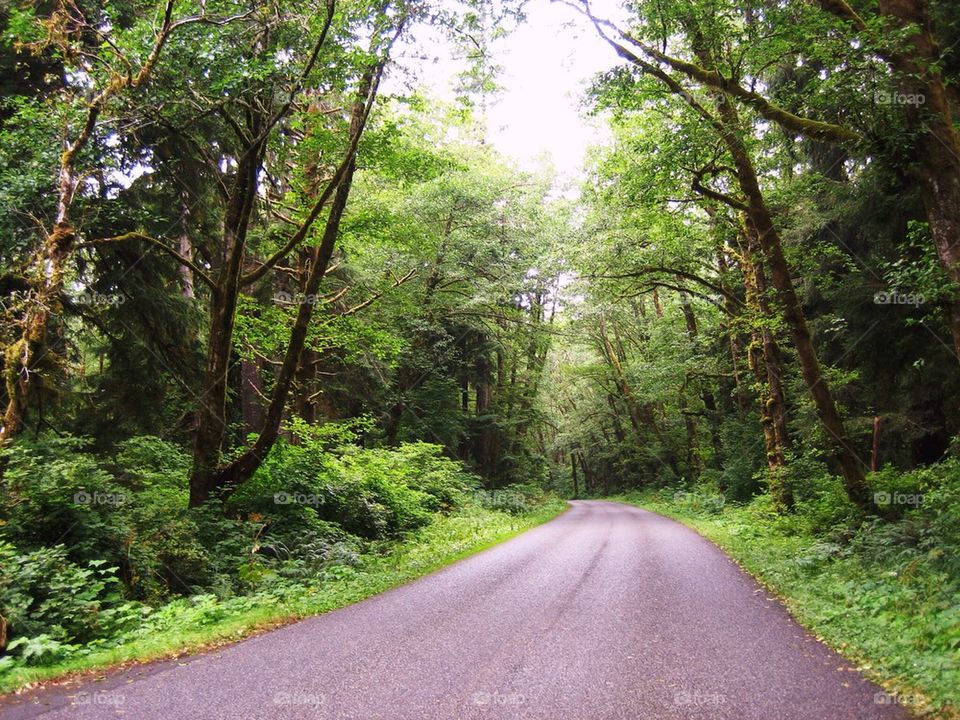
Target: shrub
895,491
445,482
54,492
820,498
371,496
371,493
129,510
51,603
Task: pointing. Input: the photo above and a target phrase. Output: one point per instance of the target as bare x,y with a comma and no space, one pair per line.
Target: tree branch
196,269
376,296
646,270
807,127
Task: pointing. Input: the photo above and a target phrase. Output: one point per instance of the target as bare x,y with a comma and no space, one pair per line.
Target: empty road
606,612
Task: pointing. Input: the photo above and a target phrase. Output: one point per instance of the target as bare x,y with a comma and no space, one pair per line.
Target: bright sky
547,62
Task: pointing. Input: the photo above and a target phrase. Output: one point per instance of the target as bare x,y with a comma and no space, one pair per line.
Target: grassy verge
886,611
204,622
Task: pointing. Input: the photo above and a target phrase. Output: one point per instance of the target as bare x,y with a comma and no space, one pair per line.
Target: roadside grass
204,622
898,621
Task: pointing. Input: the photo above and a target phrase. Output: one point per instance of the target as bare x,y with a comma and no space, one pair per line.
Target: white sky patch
548,63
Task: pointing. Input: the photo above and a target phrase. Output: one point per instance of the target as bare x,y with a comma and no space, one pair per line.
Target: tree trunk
875,455
185,247
693,444
21,357
587,475
694,463
937,156
713,419
657,305
211,415
761,223
573,474
740,393
940,183
767,364
251,395
241,469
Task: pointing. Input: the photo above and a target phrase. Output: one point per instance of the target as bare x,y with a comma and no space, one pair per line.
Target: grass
191,625
887,609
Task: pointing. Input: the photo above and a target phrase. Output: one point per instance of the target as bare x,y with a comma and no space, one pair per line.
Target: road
606,612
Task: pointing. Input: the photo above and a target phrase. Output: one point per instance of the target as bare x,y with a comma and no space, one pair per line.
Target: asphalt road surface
606,612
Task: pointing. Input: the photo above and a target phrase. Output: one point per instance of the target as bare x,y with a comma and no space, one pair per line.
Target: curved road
606,612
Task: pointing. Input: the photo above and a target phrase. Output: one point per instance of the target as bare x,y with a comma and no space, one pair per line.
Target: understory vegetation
101,562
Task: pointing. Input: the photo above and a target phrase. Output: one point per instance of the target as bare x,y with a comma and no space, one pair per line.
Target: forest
282,328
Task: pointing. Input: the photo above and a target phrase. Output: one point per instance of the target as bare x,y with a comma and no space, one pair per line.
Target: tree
902,34
759,224
97,76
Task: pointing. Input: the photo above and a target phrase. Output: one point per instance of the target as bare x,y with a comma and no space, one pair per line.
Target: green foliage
53,605
53,492
926,503
442,482
371,493
128,509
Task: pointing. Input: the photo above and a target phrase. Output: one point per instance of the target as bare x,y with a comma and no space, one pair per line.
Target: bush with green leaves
424,468
822,505
55,491
52,605
941,510
371,493
302,555
128,509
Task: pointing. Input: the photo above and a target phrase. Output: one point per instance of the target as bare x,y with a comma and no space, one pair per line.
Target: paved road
606,612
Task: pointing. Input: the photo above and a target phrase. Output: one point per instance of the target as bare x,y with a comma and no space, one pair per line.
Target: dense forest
276,319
